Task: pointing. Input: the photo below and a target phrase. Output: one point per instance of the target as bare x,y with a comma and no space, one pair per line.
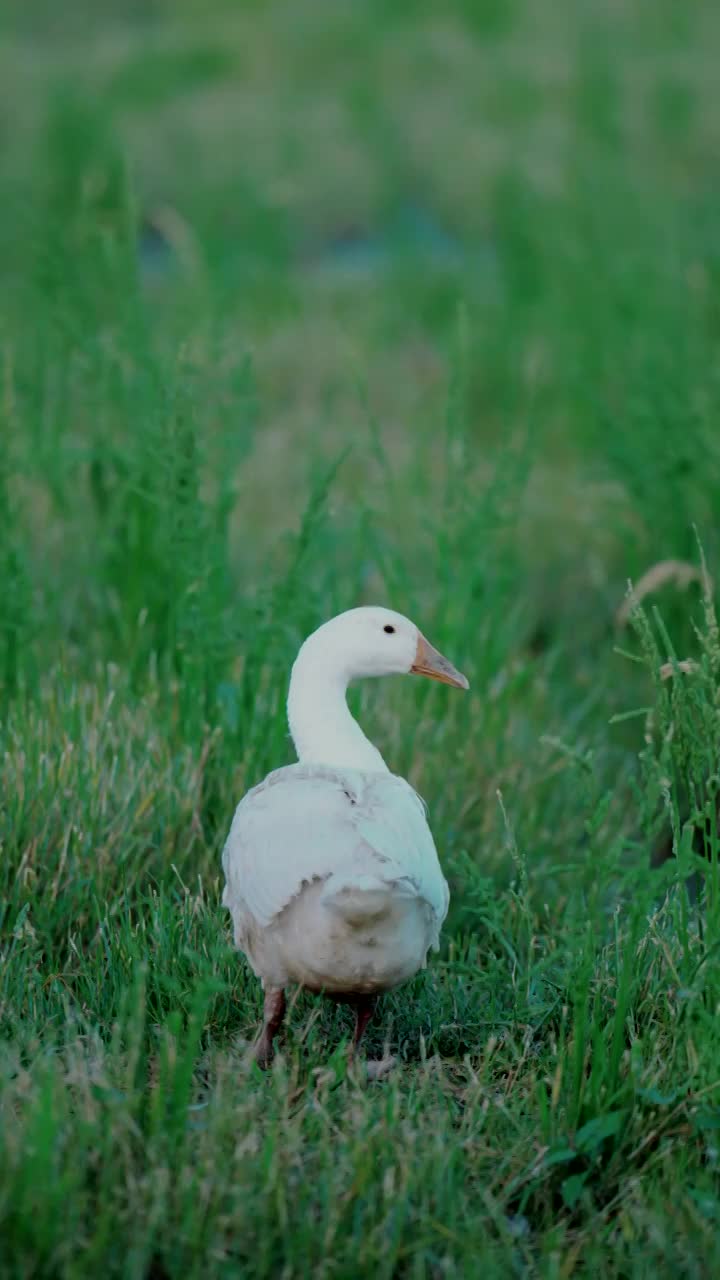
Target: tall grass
218,433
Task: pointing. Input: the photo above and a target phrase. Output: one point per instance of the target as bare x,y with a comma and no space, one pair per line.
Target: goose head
361,642
372,641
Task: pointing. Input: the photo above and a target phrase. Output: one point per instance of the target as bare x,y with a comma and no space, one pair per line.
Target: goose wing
306,823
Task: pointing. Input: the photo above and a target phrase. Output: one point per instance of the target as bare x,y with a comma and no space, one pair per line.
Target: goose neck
322,728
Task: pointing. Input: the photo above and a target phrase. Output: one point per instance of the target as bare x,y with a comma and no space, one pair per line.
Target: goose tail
365,899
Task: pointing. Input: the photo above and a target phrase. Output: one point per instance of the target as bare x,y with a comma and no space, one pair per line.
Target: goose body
358,896
332,878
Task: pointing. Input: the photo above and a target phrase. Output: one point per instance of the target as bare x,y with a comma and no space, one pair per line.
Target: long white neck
322,728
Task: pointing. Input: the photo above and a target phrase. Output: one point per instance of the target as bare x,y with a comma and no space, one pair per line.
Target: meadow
306,306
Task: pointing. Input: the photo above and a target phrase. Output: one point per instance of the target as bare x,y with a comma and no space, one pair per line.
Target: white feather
332,876
310,822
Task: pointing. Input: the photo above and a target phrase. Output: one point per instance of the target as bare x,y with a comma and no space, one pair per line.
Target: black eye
389,630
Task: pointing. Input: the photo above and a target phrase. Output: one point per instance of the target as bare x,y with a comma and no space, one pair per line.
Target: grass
305,307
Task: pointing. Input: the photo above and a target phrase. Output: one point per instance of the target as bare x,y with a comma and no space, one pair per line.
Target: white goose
332,877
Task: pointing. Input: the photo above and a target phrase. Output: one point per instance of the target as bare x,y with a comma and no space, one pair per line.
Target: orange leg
363,1006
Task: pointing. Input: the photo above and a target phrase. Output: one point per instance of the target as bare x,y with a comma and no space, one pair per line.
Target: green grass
490,410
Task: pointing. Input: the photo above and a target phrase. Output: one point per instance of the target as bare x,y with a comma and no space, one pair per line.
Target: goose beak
428,662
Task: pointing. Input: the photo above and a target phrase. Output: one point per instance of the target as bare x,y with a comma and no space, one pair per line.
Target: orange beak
428,662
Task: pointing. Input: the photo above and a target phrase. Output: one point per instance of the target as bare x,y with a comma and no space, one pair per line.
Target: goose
332,878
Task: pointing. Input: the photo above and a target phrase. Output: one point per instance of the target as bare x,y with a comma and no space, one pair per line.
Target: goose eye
389,630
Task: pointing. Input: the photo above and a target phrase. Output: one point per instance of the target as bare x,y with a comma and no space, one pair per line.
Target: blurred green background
306,305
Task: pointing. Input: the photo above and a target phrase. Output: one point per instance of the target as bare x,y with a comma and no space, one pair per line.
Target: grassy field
306,306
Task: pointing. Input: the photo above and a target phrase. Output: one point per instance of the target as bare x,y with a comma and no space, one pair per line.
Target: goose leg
273,1014
364,1006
